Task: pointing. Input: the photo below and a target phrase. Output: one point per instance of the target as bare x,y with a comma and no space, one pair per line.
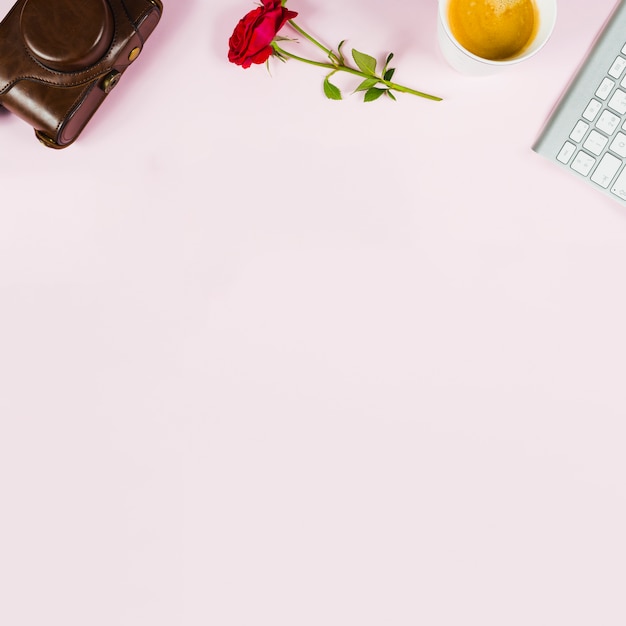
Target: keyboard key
619,187
579,131
592,110
583,163
619,145
595,142
608,122
566,153
618,102
606,170
618,67
605,88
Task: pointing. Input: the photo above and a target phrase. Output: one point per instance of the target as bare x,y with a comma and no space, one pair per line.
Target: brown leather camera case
60,58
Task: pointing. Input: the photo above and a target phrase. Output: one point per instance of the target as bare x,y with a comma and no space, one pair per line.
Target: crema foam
494,29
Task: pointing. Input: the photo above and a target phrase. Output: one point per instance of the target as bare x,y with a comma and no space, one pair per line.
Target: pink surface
271,359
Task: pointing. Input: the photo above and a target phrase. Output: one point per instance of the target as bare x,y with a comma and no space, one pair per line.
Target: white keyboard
586,132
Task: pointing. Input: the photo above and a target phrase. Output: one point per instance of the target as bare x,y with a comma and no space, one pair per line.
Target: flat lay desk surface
268,359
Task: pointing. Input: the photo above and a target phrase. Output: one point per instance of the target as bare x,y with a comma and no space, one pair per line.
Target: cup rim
443,4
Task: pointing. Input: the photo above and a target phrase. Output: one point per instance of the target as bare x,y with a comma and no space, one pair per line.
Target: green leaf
387,61
391,95
366,84
389,73
341,57
331,91
365,62
373,93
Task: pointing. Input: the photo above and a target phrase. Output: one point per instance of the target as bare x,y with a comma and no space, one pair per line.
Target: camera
59,59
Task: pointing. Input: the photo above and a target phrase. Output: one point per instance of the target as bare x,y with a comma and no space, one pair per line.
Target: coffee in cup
493,29
480,36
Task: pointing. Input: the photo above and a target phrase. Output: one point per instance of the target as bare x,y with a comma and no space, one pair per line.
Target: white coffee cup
468,63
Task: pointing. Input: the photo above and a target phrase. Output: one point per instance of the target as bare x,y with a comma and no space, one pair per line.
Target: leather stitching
105,64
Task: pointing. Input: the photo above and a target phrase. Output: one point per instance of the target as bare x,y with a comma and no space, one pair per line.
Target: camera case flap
60,58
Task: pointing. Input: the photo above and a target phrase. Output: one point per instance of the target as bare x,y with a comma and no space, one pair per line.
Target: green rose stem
306,35
337,64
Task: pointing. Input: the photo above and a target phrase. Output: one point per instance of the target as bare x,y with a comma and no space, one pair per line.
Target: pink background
271,359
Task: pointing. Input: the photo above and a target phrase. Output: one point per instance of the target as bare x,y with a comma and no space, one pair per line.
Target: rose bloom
252,38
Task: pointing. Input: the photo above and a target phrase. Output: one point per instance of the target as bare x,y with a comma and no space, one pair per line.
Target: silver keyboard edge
576,95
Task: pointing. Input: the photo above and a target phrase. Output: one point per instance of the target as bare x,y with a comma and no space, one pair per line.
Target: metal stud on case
110,80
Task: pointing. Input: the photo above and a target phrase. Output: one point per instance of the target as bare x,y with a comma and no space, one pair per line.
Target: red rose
252,38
